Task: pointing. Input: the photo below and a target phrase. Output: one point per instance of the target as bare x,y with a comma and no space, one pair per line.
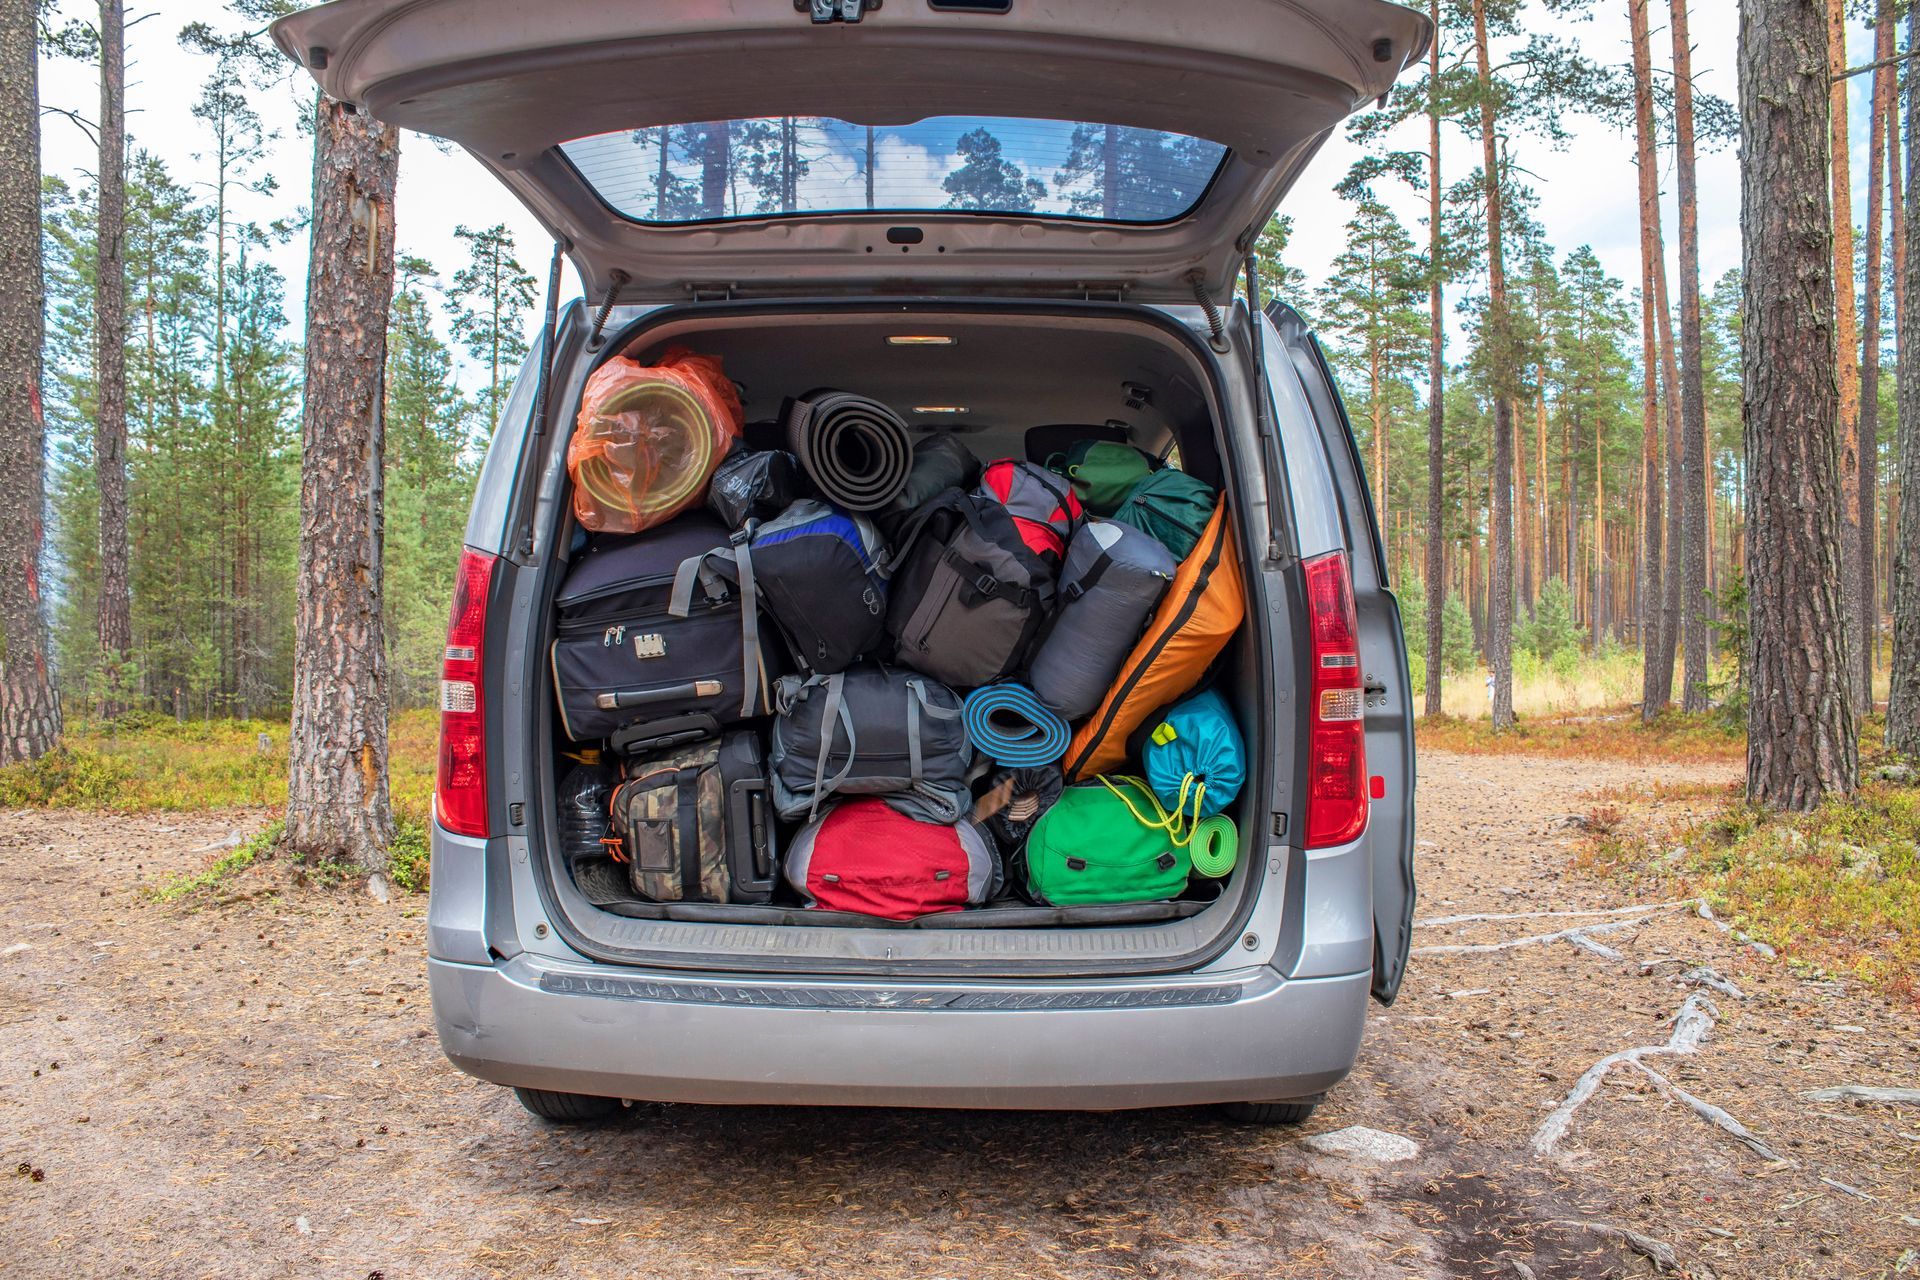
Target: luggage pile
867,674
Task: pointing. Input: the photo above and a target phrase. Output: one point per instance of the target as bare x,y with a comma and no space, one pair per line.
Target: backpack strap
1090,579
687,782
704,568
896,555
832,715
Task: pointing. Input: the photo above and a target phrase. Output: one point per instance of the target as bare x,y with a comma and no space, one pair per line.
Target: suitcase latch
836,10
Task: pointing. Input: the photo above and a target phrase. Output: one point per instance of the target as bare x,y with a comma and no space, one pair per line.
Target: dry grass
1613,733
146,762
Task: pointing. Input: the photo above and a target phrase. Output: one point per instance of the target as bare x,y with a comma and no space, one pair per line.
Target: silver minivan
996,214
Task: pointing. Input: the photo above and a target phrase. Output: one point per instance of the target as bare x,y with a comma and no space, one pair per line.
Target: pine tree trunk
110,357
1852,608
1800,724
1693,402
1598,573
716,164
1868,513
1656,683
337,807
1436,378
29,704
1903,708
1674,619
1500,572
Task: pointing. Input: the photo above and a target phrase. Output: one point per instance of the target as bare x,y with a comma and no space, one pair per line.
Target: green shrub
1457,653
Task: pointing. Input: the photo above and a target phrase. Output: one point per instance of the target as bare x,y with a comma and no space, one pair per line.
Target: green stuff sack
1102,472
1171,506
1105,841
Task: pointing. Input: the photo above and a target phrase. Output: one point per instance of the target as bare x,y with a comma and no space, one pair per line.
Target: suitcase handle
749,810
620,699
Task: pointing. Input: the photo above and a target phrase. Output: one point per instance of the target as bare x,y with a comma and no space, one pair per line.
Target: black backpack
970,595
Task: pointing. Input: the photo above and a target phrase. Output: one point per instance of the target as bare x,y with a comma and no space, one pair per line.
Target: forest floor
244,1082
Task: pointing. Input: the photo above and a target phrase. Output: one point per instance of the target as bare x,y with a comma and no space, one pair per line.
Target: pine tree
1800,726
1903,707
489,303
1693,410
987,179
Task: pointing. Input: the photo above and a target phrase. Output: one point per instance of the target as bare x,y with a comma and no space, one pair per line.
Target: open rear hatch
1242,90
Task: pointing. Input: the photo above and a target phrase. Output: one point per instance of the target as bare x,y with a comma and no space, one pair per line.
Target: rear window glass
812,164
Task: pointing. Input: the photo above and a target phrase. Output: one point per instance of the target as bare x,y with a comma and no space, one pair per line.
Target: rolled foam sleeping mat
1215,847
856,451
1008,724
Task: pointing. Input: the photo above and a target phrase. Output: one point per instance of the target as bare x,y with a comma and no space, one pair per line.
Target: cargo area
1008,383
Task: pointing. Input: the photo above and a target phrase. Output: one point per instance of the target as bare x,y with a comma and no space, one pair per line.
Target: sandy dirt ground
250,1087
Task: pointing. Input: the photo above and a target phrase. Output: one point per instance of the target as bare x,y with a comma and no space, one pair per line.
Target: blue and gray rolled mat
1008,724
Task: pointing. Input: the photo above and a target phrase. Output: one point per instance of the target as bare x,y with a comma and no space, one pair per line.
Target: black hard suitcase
619,656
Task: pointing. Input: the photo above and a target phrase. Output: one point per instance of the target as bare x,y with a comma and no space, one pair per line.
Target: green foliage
1730,604
1550,630
1278,278
488,305
1457,652
409,855
227,864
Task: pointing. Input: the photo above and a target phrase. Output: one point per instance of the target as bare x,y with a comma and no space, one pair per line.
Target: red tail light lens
1337,760
460,782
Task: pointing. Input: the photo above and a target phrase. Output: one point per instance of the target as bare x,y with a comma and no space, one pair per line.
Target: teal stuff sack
1172,506
1195,758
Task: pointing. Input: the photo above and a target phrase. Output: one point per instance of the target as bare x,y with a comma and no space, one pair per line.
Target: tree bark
1436,379
1693,401
29,704
1800,724
1867,514
1903,708
337,806
110,357
1500,571
1656,681
1852,607
1673,618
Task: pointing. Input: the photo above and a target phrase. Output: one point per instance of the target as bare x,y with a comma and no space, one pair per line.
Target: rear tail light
1337,783
460,783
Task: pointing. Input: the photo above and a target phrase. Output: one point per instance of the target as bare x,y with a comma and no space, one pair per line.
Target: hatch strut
542,392
1279,504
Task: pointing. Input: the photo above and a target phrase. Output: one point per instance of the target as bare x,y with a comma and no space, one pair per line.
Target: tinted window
811,164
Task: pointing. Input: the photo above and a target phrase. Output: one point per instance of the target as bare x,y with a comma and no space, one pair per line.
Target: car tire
567,1108
1269,1112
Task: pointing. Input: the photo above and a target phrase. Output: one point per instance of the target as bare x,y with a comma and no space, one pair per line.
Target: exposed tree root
1538,939
1601,949
1864,1093
1658,1252
1707,976
1690,1027
1636,909
1713,1115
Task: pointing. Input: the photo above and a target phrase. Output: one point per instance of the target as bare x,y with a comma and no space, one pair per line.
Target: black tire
567,1108
1268,1112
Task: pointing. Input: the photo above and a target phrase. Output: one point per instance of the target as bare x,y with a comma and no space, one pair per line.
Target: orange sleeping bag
1199,614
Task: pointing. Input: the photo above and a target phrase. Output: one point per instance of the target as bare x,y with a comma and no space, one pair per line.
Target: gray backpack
1110,584
870,732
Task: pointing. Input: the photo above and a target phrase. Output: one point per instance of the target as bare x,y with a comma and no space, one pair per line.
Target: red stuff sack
1043,506
649,438
865,856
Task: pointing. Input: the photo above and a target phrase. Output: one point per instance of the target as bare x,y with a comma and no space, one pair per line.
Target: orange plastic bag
648,439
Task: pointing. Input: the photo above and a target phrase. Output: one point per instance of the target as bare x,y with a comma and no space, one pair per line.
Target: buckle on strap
986,585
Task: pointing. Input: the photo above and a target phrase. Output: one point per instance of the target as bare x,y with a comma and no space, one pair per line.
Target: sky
1587,192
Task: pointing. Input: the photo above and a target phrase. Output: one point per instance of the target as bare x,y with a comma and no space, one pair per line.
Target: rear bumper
1244,1036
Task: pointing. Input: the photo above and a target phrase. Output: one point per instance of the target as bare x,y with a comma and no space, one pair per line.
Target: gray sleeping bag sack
1110,584
869,731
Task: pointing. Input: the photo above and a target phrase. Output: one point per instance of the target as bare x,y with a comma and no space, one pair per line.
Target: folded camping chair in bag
970,596
691,825
865,855
818,573
1202,609
1041,503
870,732
1113,577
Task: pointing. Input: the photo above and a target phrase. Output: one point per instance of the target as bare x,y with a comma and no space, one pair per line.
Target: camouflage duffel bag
696,824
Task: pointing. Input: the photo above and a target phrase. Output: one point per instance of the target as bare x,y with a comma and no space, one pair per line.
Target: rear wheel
1269,1112
567,1108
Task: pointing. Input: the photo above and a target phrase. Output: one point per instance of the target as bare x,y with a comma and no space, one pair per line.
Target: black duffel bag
619,655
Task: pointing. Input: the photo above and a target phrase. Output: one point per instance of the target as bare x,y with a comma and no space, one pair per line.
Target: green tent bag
1102,472
1171,506
1105,841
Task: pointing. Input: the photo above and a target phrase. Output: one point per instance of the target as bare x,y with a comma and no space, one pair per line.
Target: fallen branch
1707,976
1637,908
1690,1027
1864,1093
1601,949
1538,939
1713,1115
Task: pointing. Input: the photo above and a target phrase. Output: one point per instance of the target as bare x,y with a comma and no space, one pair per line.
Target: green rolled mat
1215,847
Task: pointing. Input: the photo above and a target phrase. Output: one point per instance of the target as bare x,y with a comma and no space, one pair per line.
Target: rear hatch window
779,165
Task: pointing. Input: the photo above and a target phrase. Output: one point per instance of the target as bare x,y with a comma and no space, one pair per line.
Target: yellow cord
1173,824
